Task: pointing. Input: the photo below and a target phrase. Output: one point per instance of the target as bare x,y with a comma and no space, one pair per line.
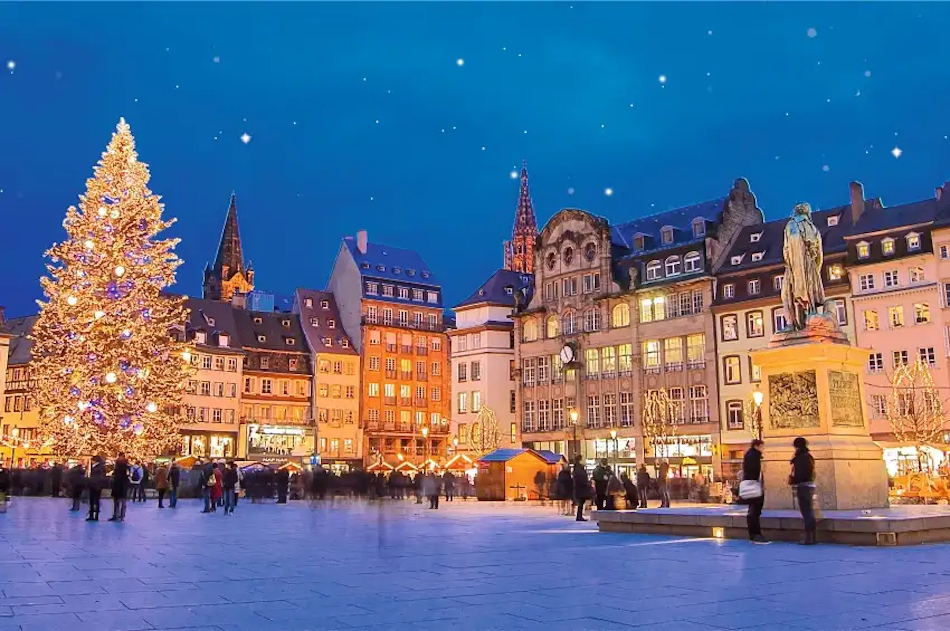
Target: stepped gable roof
270,331
21,346
680,219
214,318
386,262
315,321
500,289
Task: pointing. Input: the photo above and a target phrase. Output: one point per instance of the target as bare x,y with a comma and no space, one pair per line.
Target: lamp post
425,444
757,398
15,432
455,444
613,438
574,425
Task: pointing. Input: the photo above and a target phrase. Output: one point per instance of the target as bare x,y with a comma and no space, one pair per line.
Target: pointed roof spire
525,222
229,250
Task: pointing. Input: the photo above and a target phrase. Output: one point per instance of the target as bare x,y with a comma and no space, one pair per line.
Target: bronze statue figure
802,290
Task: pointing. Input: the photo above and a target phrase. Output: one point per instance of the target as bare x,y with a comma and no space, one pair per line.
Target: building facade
336,380
228,275
276,418
390,305
211,413
21,444
483,361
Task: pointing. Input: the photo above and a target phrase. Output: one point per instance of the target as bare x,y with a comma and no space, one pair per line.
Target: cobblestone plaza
467,566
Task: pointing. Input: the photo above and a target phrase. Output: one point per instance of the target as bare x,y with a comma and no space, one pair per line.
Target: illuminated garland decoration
109,374
483,434
660,413
914,408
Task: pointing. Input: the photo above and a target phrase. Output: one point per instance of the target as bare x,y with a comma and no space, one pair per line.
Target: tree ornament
102,211
119,271
71,301
110,377
89,244
99,314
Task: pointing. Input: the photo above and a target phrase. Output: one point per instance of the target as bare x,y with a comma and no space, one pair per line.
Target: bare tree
660,415
914,409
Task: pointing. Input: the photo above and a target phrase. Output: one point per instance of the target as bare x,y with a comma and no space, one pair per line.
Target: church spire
519,252
228,274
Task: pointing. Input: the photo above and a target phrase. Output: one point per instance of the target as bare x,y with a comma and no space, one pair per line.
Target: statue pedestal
815,389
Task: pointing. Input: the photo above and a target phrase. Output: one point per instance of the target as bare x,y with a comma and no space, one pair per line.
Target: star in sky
460,62
246,138
608,191
896,152
11,65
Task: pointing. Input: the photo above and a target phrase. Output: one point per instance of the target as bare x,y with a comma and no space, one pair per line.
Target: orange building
391,307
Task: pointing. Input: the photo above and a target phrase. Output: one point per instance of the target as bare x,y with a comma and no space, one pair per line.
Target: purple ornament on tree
112,290
75,391
92,357
129,392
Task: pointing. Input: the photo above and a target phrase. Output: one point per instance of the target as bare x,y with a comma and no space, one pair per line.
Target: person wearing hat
802,478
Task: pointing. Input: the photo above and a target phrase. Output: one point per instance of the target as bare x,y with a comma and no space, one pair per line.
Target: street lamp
425,442
455,444
613,437
15,432
757,398
574,424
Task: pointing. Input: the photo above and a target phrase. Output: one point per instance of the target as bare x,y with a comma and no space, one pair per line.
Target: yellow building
336,380
20,441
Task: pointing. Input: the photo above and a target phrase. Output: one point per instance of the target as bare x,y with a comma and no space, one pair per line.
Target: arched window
653,270
569,323
673,266
552,326
530,331
621,315
590,251
552,260
592,320
692,262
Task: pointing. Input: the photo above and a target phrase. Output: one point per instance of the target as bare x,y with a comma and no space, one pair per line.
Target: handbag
751,489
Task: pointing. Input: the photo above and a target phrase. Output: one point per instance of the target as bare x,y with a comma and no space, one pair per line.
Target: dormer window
666,235
397,270
314,321
285,323
308,302
864,250
326,341
289,341
653,270
699,227
833,220
737,260
380,268
425,274
410,272
201,337
372,289
224,339
345,343
261,338
331,324
364,265
292,364
835,272
258,320
913,242
757,256
404,293
887,247
638,242
509,290
324,304
673,266
755,237
729,290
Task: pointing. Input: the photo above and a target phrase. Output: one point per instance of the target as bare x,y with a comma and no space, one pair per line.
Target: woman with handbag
751,491
802,477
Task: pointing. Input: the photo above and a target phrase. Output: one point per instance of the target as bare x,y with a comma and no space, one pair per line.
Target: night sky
362,116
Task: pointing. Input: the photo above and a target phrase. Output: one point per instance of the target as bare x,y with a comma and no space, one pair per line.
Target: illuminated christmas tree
110,372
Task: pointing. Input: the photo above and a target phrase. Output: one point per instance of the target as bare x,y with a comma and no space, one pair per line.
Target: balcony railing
410,427
415,326
421,376
422,350
406,375
674,366
405,401
651,370
419,403
391,374
696,364
389,400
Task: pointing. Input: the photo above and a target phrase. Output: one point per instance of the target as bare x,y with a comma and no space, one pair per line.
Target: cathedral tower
519,252
228,275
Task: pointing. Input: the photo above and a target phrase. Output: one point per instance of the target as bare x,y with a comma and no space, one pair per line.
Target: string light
151,407
89,244
72,301
99,314
119,271
110,377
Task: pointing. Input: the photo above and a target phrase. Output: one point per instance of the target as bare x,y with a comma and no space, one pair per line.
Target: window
608,357
232,364
569,323
870,320
528,334
372,289
463,372
945,252
866,282
899,358
916,274
835,272
895,317
927,355
921,313
913,242
592,319
666,235
878,406
568,255
463,402
626,409
432,297
832,220
266,386
417,294
651,355
887,247
592,362
841,311
652,309
864,250
755,237
757,256
737,260
528,367
206,361
625,358
692,262
730,328
734,414
476,400
732,370
777,282
550,327
593,411
779,321
755,373
591,282
436,344
754,287
206,388
754,324
699,227
698,404
696,349
477,370
875,363
673,266
404,293
219,363
673,353
653,270
890,278
569,286
223,339
728,290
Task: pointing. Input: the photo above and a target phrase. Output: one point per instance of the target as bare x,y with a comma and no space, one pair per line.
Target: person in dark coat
174,479
448,483
631,491
643,485
56,480
752,470
282,479
97,482
564,488
229,484
803,479
75,482
581,486
120,488
602,475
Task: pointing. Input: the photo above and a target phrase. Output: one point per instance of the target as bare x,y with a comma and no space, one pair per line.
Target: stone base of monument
894,526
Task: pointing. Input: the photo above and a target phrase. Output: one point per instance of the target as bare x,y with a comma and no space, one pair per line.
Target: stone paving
465,567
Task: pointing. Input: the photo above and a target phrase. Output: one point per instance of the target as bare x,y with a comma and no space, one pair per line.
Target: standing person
643,485
75,483
803,479
448,481
56,481
564,488
161,484
630,490
204,488
663,481
174,479
144,485
282,479
230,483
581,487
135,480
215,486
602,475
120,488
97,481
751,489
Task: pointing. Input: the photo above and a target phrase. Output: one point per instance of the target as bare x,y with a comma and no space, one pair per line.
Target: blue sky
800,98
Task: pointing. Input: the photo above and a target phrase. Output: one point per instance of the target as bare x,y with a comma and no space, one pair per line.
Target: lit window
895,316
870,320
887,247
730,328
832,220
754,324
754,287
921,313
699,227
729,290
835,272
732,370
913,242
864,250
916,274
692,262
667,235
653,270
945,252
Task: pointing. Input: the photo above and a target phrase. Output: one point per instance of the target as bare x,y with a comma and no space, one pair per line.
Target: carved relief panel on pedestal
793,400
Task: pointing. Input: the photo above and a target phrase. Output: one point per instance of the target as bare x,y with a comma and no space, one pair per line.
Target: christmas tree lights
110,371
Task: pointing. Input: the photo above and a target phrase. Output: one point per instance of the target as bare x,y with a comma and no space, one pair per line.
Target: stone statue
802,291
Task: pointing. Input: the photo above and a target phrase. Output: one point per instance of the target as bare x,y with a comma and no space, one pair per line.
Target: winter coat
174,476
643,478
803,468
230,479
581,483
161,479
564,487
120,479
752,464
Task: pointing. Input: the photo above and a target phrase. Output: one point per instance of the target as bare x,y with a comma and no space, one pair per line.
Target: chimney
361,239
857,201
940,190
2,310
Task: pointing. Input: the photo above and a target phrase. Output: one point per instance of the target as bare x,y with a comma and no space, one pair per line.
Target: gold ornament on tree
914,409
483,436
109,371
660,415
